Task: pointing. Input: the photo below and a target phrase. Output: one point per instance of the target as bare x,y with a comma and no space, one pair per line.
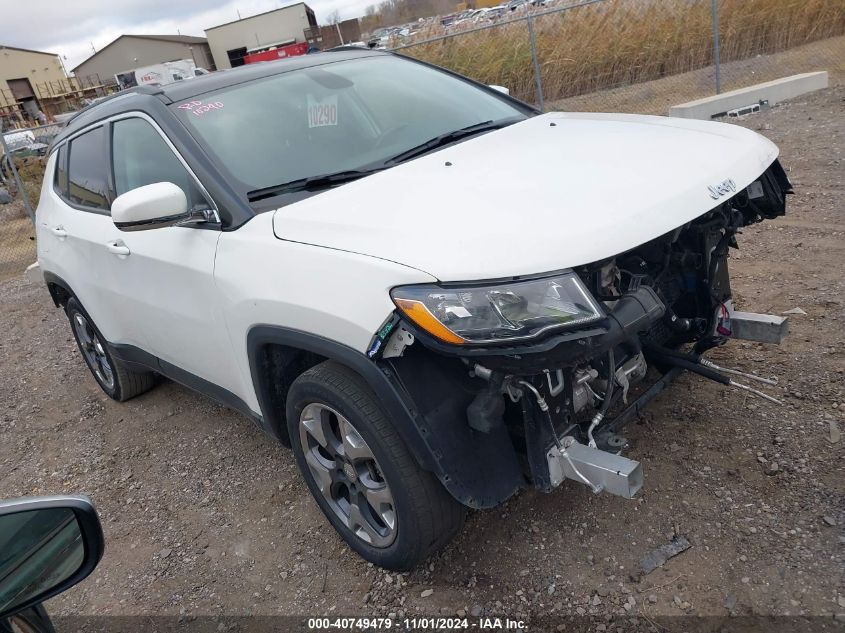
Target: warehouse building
231,42
129,52
24,76
331,35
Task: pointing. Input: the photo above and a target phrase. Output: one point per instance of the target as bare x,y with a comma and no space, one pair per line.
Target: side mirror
501,89
47,545
153,207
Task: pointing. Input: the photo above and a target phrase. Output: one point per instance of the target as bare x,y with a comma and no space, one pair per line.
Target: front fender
478,469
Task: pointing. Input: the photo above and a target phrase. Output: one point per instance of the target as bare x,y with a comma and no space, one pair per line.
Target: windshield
345,116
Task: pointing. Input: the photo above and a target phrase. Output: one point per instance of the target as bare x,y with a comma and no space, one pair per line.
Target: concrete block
762,328
770,92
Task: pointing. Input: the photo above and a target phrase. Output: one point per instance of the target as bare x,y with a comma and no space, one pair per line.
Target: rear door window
88,170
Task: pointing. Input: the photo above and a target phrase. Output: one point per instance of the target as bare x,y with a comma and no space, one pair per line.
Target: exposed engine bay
553,409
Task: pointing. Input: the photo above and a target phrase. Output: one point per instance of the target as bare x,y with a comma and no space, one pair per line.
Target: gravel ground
204,515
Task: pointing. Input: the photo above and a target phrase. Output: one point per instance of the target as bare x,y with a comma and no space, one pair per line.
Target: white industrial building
232,41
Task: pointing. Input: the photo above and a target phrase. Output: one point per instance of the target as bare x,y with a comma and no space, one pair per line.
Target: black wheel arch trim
52,280
397,407
422,439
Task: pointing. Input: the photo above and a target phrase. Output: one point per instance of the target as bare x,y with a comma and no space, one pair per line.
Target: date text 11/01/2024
416,623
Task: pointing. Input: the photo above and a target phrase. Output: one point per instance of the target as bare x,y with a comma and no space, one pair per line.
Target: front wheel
388,509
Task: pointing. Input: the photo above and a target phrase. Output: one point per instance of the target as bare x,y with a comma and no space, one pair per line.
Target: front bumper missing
602,471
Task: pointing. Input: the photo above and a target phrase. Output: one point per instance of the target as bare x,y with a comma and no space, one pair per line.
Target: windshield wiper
326,181
451,137
312,183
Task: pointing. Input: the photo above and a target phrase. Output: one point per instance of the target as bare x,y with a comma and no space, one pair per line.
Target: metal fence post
538,79
714,10
11,161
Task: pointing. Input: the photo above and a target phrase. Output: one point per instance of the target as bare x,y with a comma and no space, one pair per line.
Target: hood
552,192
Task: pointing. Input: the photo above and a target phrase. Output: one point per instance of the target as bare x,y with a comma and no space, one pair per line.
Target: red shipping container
277,53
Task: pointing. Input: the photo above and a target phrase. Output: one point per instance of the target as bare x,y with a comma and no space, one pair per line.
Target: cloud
70,28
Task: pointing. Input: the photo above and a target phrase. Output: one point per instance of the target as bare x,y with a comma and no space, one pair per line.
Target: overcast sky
69,27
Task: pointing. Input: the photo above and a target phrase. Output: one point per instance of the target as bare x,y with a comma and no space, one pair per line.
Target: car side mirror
501,89
155,206
47,545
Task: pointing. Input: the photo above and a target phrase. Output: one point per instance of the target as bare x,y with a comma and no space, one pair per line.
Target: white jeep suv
433,293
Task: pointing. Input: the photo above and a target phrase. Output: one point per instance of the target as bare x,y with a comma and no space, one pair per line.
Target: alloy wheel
347,474
92,349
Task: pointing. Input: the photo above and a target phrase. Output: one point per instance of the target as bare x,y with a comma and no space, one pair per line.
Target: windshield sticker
198,108
322,112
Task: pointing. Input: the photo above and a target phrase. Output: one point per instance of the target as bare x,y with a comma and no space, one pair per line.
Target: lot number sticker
198,108
322,112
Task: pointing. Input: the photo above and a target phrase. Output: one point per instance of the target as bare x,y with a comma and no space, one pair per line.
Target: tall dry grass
623,42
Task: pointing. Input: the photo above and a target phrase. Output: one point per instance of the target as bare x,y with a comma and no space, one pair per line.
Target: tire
114,376
367,462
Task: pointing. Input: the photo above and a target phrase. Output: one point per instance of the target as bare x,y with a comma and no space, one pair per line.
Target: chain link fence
22,160
641,56
23,152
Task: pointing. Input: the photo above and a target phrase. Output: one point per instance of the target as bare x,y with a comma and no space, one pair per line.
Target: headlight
498,313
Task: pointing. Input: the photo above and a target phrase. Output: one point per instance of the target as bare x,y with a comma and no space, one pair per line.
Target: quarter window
141,157
88,170
60,181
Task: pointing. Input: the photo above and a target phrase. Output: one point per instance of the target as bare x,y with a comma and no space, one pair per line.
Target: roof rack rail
346,47
142,89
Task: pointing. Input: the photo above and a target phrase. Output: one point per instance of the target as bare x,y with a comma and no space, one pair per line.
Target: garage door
21,89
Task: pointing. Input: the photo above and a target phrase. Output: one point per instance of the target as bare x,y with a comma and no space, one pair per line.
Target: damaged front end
528,381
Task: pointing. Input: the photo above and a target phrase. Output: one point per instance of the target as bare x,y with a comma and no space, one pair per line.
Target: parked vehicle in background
384,37
31,143
251,235
483,15
378,38
47,545
497,12
160,74
16,141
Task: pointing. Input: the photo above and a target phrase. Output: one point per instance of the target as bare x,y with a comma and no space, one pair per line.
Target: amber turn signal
419,314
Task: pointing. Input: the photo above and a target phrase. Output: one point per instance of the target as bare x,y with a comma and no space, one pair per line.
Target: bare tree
334,17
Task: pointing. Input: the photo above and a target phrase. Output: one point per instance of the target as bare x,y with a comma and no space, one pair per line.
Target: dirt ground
205,516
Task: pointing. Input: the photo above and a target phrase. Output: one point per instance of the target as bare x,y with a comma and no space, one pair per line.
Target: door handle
118,248
59,231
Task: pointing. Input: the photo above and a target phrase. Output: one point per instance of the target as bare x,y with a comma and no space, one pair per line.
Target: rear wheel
388,509
114,377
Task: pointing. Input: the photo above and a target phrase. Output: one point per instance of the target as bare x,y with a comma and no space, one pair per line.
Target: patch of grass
31,171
